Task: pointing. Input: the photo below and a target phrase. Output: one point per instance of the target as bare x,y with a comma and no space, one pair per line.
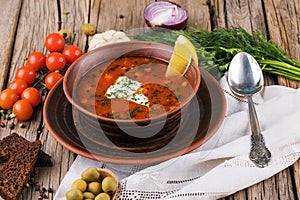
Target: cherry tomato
7,99
71,53
23,110
36,60
52,78
55,61
55,42
18,85
27,74
32,95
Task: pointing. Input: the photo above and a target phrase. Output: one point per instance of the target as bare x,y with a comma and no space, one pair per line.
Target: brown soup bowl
134,135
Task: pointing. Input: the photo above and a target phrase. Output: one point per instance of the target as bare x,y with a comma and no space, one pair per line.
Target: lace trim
138,194
287,159
136,168
182,181
237,163
198,194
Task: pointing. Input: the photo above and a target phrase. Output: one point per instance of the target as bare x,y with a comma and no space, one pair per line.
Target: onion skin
165,14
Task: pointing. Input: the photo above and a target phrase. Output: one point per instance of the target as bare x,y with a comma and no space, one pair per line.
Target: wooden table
24,25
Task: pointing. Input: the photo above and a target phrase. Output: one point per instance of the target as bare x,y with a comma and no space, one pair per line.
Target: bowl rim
147,44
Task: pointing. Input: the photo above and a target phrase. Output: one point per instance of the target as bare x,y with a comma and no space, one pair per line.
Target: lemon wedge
183,54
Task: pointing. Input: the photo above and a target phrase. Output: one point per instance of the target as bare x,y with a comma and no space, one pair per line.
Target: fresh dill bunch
216,49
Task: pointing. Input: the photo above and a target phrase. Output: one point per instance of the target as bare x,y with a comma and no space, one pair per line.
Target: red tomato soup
143,92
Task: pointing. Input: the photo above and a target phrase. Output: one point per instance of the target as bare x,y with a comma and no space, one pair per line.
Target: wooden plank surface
8,24
25,24
73,15
239,13
122,15
284,28
37,19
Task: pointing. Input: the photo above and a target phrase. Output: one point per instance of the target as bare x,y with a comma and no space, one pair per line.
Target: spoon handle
259,154
255,128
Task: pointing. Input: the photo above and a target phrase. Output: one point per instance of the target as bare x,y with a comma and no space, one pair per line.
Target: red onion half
165,14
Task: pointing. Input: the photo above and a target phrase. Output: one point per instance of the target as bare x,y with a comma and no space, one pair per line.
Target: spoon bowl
245,75
245,79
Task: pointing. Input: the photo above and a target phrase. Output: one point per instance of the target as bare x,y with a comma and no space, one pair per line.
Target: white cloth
221,166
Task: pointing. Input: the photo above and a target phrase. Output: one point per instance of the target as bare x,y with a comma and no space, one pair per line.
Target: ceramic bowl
167,124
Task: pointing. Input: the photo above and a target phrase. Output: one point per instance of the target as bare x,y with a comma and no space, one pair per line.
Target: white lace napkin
221,166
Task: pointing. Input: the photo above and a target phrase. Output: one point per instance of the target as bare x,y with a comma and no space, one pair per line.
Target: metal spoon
245,79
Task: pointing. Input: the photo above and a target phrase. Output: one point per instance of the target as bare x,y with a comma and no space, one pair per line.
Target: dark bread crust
18,164
43,160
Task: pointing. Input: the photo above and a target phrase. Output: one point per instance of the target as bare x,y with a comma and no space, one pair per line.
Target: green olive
94,187
65,33
109,185
90,174
102,196
74,194
79,184
88,195
88,29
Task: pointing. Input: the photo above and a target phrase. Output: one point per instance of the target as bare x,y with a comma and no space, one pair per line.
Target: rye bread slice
18,157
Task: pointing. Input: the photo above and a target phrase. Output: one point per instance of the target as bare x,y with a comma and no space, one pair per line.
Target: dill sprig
216,49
